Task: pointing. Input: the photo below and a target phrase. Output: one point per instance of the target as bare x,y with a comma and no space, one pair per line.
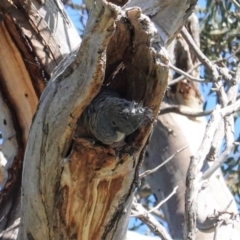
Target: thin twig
236,4
182,77
217,164
186,75
165,200
229,129
215,71
192,181
176,80
219,134
150,221
196,163
228,57
159,204
148,172
227,123
229,136
184,111
157,213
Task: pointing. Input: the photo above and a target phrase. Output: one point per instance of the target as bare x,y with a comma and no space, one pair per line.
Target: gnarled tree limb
78,189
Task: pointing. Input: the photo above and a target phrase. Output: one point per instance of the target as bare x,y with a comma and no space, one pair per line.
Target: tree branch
236,4
184,111
148,172
215,71
192,181
149,220
180,78
229,129
194,176
186,75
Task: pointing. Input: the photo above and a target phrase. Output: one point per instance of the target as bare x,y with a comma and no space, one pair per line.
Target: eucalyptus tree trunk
73,188
175,131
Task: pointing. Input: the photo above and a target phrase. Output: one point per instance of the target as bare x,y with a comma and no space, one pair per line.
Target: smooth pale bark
171,133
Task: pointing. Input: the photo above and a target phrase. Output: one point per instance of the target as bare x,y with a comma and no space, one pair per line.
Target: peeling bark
29,52
68,183
95,168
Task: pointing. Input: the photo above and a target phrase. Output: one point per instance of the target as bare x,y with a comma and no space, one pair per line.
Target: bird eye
113,123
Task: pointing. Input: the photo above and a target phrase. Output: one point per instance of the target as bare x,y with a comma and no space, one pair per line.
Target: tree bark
72,188
174,131
34,39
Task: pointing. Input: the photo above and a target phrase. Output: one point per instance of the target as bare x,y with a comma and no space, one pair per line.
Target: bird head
126,116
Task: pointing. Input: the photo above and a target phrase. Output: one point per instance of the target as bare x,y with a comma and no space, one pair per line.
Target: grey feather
110,118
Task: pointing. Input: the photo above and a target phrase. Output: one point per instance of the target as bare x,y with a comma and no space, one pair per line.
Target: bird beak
120,136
